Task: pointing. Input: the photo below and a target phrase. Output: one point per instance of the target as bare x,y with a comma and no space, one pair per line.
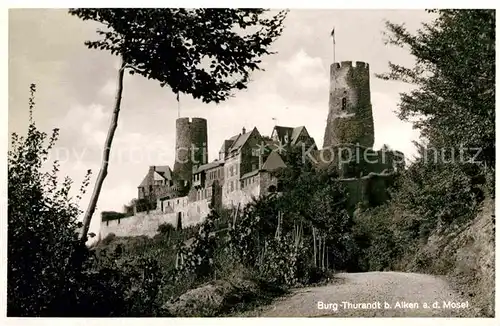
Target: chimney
243,130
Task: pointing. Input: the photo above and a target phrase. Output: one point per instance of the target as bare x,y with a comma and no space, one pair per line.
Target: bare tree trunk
105,158
314,245
320,246
323,253
326,256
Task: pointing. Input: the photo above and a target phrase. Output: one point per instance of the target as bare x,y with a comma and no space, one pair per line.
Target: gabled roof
145,182
236,142
282,131
273,162
292,133
164,171
240,140
160,172
296,133
227,144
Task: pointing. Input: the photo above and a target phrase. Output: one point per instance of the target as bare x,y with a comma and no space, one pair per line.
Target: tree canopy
454,102
202,52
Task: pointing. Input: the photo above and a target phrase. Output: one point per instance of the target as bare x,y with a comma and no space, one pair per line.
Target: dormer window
344,103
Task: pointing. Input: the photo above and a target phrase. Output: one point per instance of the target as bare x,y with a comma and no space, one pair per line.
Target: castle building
243,171
184,196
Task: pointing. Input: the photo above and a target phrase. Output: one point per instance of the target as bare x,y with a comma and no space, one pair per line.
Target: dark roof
273,162
236,142
296,133
209,166
292,133
240,141
282,131
162,170
227,144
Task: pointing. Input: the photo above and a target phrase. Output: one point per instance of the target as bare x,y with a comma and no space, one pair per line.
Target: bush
50,271
45,257
166,228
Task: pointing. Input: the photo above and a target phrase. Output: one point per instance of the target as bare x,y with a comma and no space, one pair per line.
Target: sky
76,90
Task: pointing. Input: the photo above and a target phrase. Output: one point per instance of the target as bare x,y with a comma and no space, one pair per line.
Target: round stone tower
183,164
350,118
199,141
190,146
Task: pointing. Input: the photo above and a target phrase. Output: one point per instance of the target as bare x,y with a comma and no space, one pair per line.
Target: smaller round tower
182,164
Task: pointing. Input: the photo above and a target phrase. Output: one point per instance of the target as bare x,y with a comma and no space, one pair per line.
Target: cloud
304,71
109,88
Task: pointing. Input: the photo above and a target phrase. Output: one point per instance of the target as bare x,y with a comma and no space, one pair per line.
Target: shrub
45,258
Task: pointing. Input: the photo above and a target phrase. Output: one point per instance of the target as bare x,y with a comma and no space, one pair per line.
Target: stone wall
372,189
191,213
243,195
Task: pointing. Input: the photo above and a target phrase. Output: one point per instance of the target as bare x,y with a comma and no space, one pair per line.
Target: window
243,184
232,186
205,193
344,103
231,171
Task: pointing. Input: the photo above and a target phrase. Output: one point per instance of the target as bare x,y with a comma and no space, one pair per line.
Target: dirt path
380,293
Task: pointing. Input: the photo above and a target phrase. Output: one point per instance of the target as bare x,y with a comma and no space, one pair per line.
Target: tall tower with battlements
350,118
191,146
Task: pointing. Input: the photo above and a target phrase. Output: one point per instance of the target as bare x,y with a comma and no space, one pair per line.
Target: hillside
466,255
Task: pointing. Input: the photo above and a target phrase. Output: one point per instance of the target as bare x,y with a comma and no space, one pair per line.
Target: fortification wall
147,223
372,189
137,225
350,118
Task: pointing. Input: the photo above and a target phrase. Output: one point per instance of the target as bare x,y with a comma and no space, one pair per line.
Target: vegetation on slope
441,211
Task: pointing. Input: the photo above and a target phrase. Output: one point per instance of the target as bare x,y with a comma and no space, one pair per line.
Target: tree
45,258
200,52
454,71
